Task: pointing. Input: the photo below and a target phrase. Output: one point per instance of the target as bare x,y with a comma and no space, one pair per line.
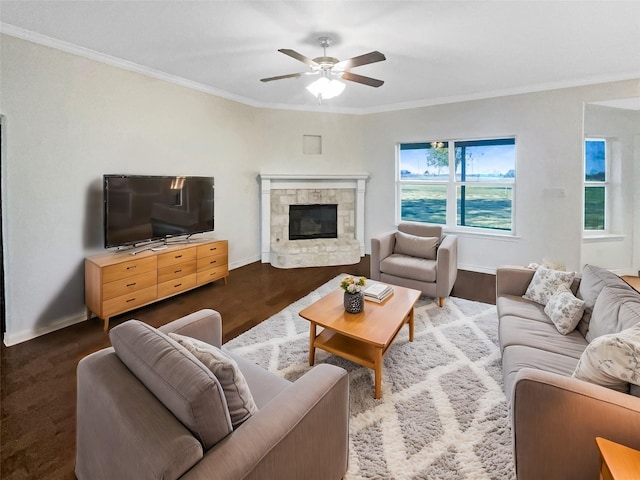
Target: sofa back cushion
182,383
616,309
416,246
593,280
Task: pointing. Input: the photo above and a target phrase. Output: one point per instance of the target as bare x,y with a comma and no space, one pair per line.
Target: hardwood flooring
38,382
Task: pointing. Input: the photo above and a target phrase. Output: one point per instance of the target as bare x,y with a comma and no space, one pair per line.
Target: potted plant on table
353,295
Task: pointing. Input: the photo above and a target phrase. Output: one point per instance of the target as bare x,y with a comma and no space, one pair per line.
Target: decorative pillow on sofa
564,310
545,282
180,381
415,246
592,281
615,310
612,360
236,391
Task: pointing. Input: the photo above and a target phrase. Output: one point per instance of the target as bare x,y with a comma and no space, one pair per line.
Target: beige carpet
442,414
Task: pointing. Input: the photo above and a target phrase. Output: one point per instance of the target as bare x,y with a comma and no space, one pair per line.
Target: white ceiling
437,51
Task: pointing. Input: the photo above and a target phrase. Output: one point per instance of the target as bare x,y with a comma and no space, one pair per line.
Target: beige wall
69,120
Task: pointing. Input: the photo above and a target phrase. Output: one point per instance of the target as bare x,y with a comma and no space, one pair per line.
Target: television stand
116,283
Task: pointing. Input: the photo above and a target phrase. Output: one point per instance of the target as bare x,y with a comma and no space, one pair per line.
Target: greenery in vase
352,284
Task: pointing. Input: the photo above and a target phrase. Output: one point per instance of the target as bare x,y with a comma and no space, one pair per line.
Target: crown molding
44,40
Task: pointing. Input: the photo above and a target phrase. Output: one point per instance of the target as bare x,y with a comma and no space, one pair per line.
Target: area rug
443,413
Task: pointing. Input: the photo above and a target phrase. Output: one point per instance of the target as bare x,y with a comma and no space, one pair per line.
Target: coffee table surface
377,324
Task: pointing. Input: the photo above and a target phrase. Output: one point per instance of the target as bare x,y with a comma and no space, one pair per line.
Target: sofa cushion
413,268
615,310
543,336
545,282
181,382
518,306
236,391
416,246
612,360
593,280
564,310
517,357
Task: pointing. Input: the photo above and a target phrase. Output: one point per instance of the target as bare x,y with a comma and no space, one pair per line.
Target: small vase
353,302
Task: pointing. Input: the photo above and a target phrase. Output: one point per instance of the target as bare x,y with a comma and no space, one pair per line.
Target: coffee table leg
312,338
378,373
411,324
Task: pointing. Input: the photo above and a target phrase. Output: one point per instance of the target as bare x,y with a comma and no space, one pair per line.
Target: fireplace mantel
286,181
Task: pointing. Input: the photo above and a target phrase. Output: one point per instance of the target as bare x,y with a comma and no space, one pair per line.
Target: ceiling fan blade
281,77
352,77
299,57
371,57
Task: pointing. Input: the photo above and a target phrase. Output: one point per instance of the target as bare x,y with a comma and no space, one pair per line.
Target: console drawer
166,289
212,274
173,272
126,286
211,262
129,268
124,303
174,258
215,248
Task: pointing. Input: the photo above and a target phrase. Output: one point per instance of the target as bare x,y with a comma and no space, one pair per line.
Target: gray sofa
555,417
300,429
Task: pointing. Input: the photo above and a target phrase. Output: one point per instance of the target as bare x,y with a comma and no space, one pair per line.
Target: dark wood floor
38,386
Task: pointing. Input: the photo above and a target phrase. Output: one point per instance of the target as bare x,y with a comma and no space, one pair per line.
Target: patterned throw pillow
236,391
545,282
564,310
612,360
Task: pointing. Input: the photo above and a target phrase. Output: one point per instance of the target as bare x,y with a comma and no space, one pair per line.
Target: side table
618,462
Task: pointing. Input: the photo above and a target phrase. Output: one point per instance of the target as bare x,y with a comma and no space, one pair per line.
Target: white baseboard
29,334
477,268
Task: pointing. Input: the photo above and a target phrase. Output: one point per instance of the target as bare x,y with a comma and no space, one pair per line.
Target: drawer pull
178,285
212,262
178,256
178,271
213,249
131,284
131,300
131,267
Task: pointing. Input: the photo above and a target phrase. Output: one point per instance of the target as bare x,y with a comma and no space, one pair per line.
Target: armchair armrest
447,265
204,325
381,247
302,433
556,419
513,280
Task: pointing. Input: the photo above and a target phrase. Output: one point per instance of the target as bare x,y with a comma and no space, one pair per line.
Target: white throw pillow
545,282
612,360
236,391
564,310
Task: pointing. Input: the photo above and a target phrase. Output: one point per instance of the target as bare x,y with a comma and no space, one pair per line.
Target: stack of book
377,292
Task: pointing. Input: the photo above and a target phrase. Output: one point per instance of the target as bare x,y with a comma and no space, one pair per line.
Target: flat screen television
145,208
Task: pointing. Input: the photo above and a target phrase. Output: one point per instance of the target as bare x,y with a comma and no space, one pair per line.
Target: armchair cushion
416,246
406,266
236,391
182,383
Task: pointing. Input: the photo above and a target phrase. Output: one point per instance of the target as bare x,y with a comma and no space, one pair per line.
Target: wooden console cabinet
117,282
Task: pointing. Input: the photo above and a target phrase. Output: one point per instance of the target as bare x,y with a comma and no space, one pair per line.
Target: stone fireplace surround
278,191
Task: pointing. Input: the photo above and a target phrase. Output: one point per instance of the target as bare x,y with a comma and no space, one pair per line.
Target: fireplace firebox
313,221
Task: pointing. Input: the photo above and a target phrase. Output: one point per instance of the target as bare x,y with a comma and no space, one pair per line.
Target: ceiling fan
330,69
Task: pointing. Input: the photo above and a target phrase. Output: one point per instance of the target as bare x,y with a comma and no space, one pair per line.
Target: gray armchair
417,256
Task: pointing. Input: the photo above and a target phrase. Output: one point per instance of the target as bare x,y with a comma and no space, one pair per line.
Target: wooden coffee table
363,337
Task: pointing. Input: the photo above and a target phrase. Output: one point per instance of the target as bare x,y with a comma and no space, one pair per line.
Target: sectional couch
149,408
555,415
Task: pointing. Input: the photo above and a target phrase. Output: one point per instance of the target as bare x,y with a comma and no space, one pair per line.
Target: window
595,184
468,185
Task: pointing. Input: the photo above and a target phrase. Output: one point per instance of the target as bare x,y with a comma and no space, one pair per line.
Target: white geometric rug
443,413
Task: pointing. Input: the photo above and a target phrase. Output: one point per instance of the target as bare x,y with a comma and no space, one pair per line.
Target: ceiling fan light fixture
325,88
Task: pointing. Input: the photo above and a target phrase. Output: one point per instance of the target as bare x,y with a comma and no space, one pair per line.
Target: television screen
142,208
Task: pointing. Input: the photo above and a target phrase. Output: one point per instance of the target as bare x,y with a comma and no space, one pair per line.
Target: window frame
452,184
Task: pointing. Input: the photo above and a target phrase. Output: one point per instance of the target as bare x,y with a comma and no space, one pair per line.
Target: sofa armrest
447,265
204,325
513,280
555,422
302,433
381,247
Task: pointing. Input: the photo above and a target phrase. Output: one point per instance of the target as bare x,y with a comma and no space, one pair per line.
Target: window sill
507,237
603,237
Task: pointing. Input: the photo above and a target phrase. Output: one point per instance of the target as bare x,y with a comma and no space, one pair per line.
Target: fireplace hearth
308,222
